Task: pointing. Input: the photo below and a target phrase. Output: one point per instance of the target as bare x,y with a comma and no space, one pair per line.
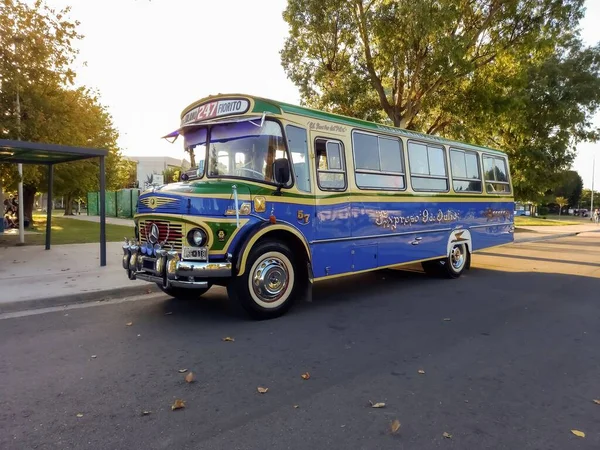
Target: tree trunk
68,205
28,200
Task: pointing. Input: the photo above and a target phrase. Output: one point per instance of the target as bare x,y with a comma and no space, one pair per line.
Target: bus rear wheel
452,266
270,284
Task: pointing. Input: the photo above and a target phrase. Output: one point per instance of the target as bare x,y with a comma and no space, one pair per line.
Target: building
150,168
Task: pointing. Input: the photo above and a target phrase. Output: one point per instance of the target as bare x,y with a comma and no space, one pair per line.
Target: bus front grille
169,232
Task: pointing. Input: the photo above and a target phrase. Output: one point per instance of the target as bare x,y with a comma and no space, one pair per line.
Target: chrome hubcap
270,279
457,257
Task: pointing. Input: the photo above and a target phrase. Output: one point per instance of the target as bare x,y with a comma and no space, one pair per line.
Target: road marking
35,312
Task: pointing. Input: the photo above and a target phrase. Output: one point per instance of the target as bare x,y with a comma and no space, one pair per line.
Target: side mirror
281,171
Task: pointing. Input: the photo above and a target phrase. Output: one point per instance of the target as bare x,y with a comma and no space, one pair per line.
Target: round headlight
197,237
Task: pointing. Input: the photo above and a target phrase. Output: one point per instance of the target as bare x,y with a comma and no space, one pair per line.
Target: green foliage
37,51
570,187
510,74
171,174
586,199
543,211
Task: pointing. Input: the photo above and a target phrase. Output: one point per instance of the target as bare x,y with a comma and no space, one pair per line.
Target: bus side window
378,162
466,176
298,145
496,175
427,167
331,171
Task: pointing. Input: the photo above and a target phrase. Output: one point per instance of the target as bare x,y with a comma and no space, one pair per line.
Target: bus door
332,243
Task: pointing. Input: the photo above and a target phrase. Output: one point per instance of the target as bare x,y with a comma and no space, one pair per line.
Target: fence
118,203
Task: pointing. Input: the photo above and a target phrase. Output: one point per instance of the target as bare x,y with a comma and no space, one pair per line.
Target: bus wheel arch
459,251
272,272
458,256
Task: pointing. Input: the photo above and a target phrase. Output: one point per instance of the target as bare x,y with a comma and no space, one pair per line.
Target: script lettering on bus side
317,126
391,221
490,214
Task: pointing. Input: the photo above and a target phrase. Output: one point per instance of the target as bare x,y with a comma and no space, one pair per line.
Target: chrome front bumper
168,269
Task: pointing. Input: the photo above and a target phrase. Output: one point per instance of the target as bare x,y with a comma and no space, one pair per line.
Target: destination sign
214,109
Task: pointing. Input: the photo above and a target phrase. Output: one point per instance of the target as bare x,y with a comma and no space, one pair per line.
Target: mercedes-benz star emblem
154,234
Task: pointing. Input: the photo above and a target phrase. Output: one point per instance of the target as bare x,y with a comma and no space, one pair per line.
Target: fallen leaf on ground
79,415
179,404
148,291
305,376
395,426
421,372
182,370
262,390
581,434
228,339
94,356
447,319
295,406
190,377
447,435
146,413
377,405
139,335
597,402
129,324
168,313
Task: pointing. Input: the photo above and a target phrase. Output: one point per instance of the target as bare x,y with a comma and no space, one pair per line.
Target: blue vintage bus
281,196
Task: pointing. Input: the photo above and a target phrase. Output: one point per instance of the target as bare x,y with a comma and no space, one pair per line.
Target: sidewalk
111,220
534,233
32,277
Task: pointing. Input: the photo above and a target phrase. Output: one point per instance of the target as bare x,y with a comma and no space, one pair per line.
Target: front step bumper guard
167,268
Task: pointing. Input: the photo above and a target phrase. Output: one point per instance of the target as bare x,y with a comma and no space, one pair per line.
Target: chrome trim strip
202,269
356,238
491,225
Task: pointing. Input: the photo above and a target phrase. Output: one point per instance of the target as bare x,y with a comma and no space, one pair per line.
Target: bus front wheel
270,283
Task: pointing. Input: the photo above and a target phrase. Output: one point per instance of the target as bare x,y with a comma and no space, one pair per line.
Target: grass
67,231
538,221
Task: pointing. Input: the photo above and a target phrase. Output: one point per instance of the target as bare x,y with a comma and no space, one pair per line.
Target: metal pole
21,215
593,176
20,166
49,209
102,213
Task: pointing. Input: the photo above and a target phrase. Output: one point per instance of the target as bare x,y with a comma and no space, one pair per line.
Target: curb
81,297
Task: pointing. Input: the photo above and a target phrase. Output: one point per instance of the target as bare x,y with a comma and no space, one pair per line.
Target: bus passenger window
427,167
331,174
496,175
378,162
299,149
466,176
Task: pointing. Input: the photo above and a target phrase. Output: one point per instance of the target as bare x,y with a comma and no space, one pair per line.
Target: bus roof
262,105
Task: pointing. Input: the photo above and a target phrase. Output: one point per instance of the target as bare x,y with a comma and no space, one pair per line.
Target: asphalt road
516,366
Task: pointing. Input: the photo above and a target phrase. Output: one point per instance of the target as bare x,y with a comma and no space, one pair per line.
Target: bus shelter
22,152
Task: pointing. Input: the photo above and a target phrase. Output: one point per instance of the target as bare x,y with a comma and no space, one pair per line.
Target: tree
561,202
37,51
509,74
407,58
570,187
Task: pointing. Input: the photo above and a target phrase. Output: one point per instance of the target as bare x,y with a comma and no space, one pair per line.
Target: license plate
195,253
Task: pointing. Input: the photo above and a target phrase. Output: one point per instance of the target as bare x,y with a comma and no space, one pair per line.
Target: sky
149,59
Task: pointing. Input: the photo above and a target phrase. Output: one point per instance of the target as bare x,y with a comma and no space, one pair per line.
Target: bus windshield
245,150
